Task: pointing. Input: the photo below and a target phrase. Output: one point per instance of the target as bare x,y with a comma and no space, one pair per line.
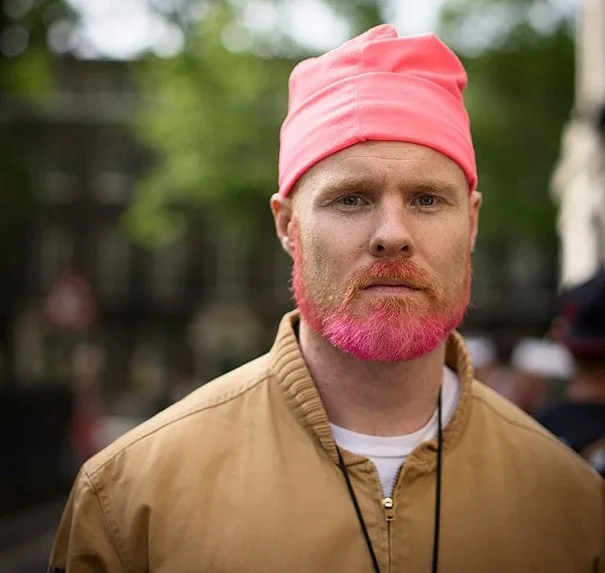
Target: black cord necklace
362,523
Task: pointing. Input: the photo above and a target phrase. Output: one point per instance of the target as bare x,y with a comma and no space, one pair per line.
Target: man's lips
392,284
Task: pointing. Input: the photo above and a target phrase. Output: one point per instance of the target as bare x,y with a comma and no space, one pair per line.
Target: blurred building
161,316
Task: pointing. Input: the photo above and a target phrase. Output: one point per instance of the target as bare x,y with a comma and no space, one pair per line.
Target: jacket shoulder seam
528,428
110,525
192,410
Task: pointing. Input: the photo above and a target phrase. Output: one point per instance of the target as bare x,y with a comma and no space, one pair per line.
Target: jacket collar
292,375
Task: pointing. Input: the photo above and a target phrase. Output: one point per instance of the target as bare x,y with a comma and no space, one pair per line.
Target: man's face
381,237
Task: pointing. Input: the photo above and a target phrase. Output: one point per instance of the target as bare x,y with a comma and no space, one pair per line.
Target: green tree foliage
213,118
520,95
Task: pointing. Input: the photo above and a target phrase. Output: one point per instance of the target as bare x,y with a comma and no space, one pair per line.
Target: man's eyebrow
435,186
349,184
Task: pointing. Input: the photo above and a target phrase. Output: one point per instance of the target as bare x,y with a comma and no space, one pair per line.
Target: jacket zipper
388,506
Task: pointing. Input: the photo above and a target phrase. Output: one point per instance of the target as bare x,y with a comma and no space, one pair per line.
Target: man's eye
351,200
427,200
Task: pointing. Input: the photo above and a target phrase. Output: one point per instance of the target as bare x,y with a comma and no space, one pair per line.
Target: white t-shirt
389,453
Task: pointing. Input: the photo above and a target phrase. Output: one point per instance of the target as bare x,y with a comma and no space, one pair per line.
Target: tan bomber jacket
241,476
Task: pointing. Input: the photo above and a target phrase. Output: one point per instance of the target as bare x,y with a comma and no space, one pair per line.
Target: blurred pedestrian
360,442
489,369
484,355
89,410
579,419
540,368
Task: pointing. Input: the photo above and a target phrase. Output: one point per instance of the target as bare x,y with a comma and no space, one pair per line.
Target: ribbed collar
300,392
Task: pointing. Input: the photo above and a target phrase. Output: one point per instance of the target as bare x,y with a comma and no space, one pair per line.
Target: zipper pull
388,507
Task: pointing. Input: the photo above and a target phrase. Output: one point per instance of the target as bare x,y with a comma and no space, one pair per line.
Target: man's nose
392,237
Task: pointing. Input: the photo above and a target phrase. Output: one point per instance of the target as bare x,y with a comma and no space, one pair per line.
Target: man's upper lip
393,282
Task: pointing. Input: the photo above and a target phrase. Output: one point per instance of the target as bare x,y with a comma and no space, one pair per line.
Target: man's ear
281,207
475,201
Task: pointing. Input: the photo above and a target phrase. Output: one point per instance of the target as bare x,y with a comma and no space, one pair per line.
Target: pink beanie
381,87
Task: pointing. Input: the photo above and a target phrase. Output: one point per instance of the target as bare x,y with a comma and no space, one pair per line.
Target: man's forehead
380,162
387,148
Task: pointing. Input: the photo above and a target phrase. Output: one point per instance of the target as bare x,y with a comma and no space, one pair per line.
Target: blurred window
112,172
527,266
232,259
59,156
487,278
114,253
148,363
112,187
53,253
60,186
98,91
168,271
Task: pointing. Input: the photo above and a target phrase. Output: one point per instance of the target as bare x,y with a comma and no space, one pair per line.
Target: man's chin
386,338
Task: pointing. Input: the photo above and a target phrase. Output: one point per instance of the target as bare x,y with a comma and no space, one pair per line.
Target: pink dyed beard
392,329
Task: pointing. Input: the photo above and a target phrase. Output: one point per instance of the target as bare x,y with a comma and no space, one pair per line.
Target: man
360,442
579,419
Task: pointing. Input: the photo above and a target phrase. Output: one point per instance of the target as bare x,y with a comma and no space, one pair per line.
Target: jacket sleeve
84,542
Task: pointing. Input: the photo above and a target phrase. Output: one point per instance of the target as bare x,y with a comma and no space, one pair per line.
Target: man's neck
376,398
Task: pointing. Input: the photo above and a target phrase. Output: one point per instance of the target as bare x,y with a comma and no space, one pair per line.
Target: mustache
397,271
